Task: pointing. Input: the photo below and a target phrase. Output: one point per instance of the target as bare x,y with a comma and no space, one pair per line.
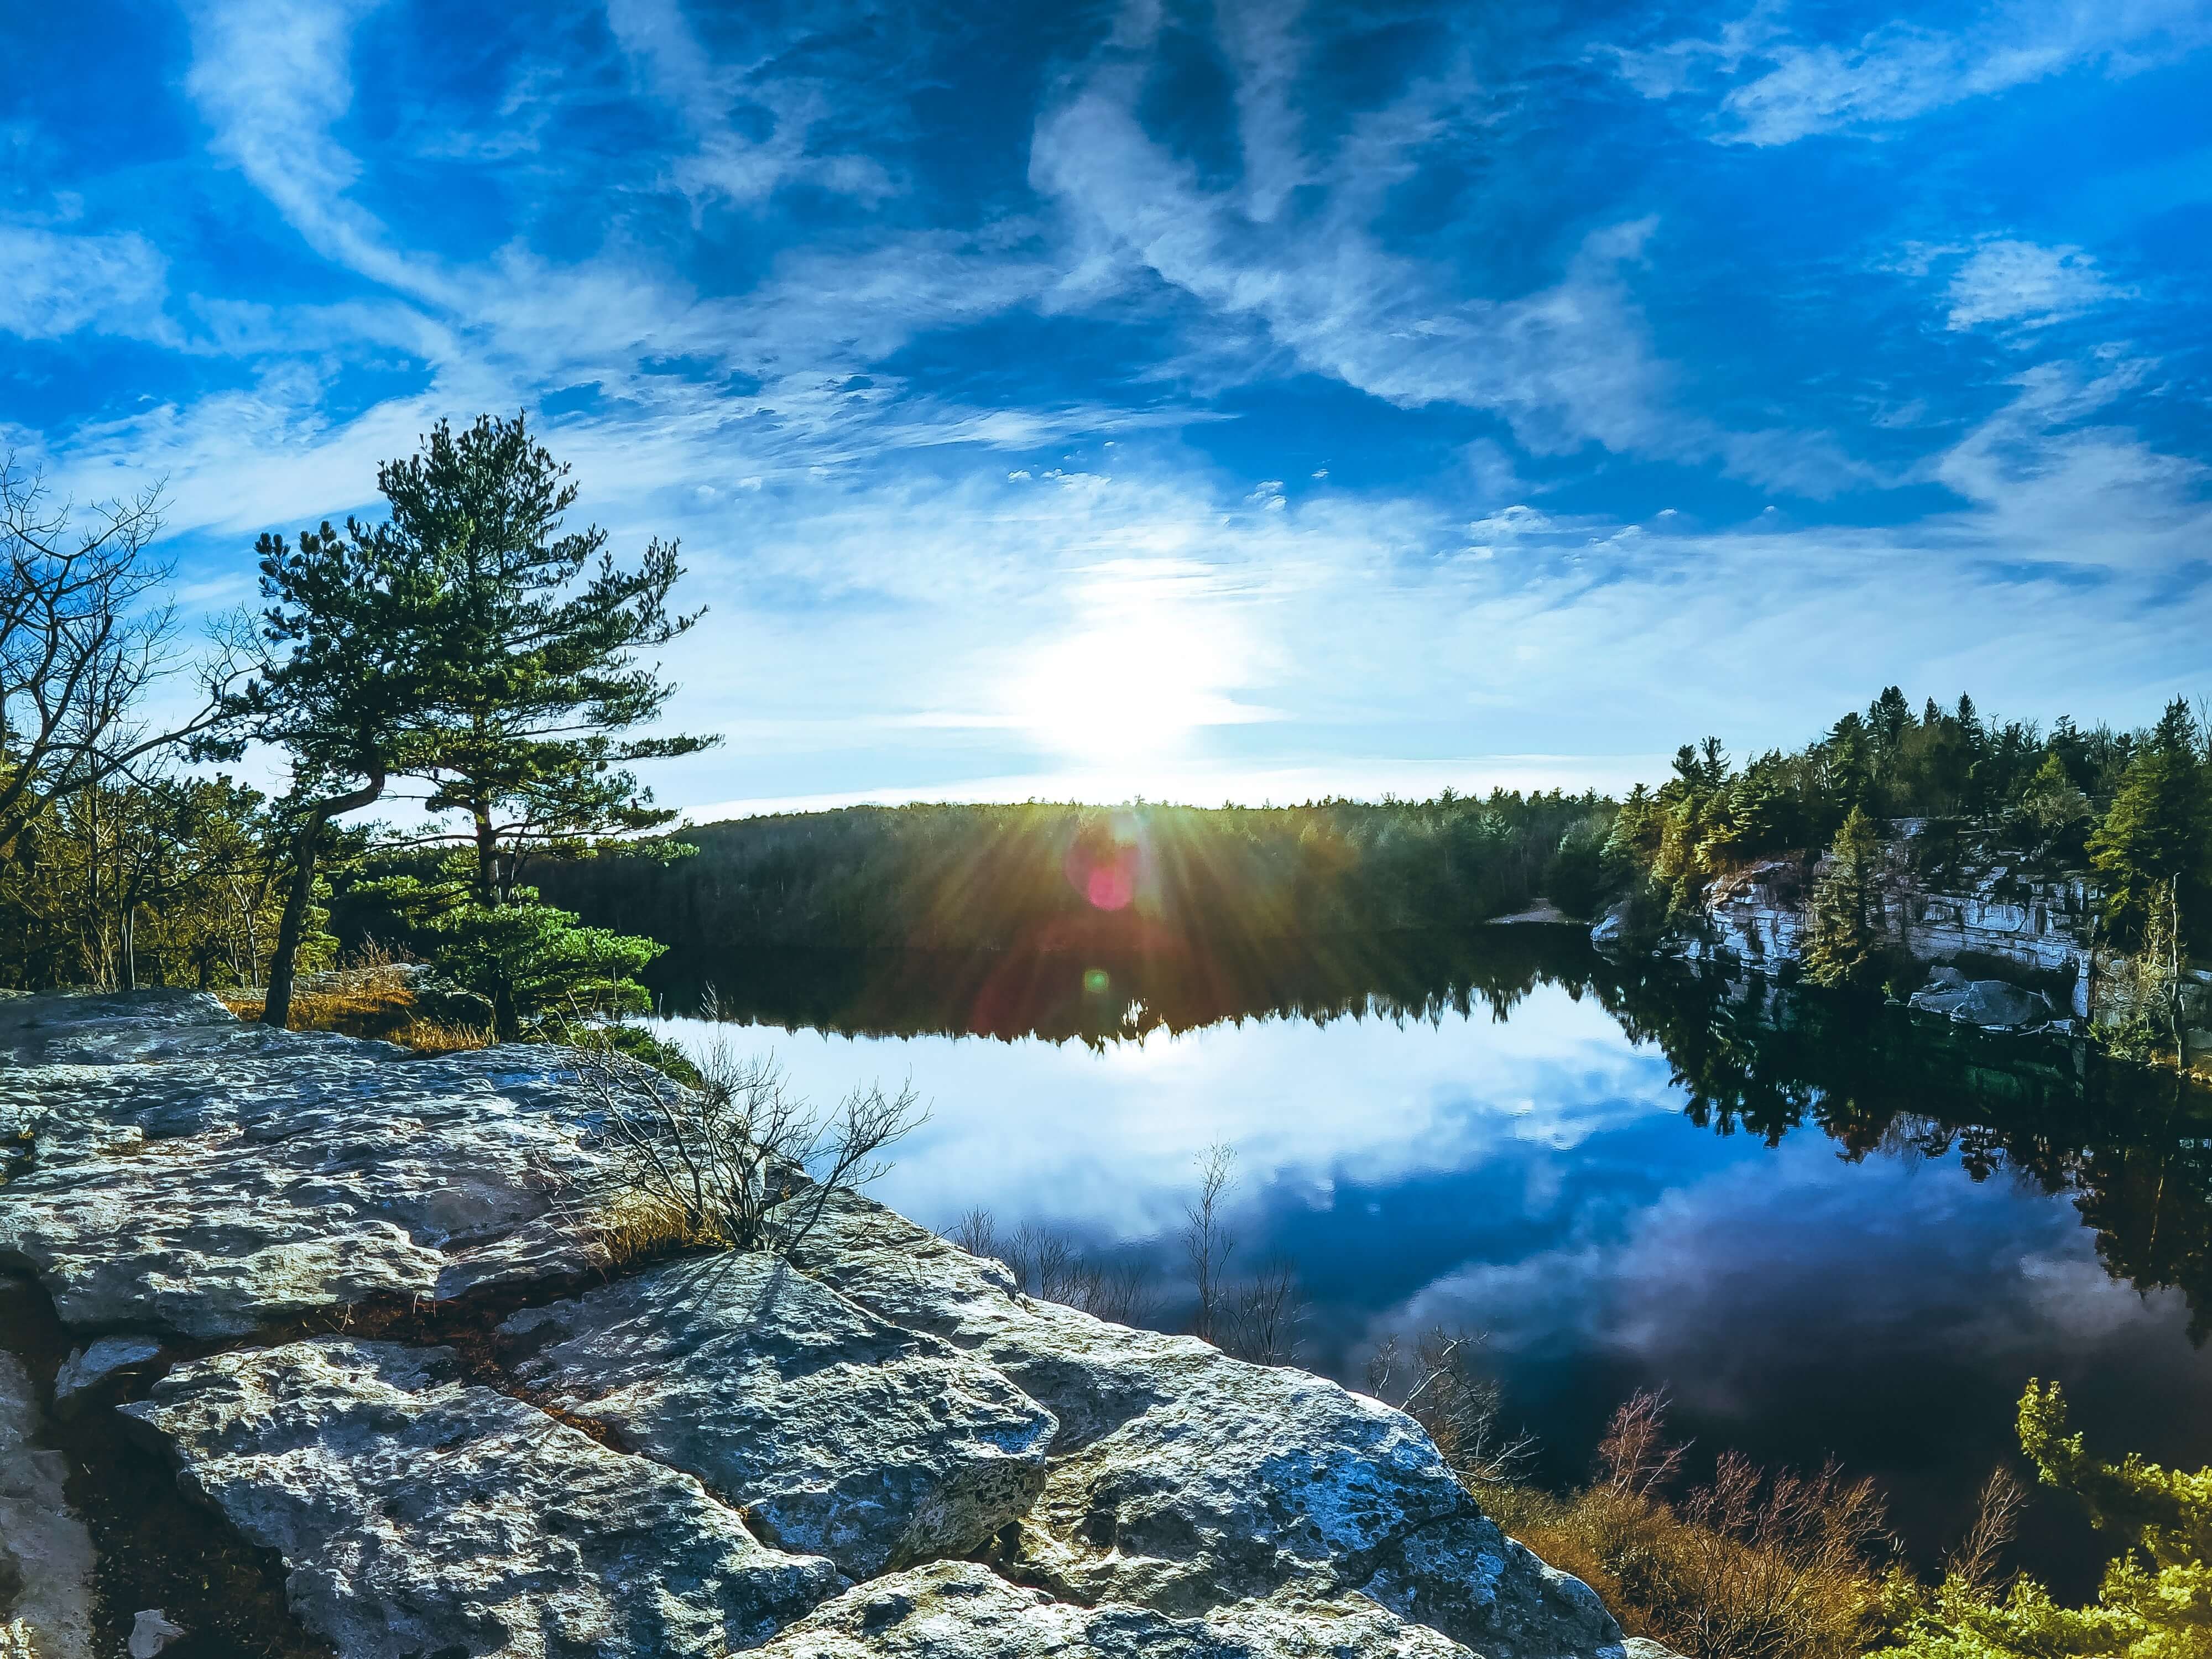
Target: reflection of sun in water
1136,685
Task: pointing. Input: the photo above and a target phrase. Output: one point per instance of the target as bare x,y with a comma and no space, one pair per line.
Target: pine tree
2155,1601
1845,948
537,631
2154,849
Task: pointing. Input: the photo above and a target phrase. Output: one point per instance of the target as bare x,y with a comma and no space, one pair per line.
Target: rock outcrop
1939,896
695,1457
421,1514
837,1432
46,1554
957,1608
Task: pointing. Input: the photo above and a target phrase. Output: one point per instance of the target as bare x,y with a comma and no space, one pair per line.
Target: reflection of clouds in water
1104,1142
1796,1257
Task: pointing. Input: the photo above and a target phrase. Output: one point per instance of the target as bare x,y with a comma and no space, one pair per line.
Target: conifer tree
2154,849
2155,1601
1846,944
525,728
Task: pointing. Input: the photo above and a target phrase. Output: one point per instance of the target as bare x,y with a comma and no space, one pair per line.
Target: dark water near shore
1823,1230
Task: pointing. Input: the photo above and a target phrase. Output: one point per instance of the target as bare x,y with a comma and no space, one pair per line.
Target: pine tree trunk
276,1002
2173,976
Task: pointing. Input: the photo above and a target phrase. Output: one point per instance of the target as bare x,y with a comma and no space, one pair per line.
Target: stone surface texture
87,1367
46,1554
759,1433
421,1514
839,1433
1974,900
959,1611
1182,1479
202,1177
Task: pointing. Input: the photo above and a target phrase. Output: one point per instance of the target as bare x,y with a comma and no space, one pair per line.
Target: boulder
419,1513
957,1610
1991,1004
1611,931
45,1554
152,1629
212,1193
1183,1479
87,1368
837,1433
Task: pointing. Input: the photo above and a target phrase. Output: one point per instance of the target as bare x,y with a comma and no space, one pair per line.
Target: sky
1234,400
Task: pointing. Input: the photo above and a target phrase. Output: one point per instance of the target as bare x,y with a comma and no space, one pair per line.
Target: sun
1137,686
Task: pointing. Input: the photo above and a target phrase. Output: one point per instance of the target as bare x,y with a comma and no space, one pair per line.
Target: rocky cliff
331,1288
1943,893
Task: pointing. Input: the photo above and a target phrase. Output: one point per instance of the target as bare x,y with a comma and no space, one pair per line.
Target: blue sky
1200,400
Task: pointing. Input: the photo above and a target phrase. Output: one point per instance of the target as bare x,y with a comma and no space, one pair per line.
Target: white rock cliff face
1982,905
697,1456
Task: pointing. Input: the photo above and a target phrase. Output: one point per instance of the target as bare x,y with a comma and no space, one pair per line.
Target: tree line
1046,876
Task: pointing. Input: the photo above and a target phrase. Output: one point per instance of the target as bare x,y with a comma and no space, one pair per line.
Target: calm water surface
1824,1233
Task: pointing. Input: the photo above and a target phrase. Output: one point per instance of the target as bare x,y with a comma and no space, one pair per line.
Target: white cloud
727,163
53,283
1565,365
2013,282
271,77
1779,89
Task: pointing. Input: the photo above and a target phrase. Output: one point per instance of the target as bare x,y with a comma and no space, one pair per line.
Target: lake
1823,1230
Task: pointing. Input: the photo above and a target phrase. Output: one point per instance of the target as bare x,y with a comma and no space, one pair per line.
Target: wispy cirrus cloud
2007,280
53,283
1766,85
270,77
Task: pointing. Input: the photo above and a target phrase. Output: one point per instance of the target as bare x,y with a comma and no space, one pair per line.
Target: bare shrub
742,1161
1435,1383
1207,1243
1996,1523
1753,1565
1263,1315
1047,1265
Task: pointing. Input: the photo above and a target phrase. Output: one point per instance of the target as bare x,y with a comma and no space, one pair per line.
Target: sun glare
1137,686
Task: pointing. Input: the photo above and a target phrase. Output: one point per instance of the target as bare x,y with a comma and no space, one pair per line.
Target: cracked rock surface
959,1611
1182,1477
421,1514
46,1554
209,1179
843,1435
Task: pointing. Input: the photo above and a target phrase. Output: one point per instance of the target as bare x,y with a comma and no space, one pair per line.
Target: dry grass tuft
631,1228
377,1001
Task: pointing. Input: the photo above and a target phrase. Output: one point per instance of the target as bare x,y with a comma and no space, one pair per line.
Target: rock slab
956,1610
1183,1479
837,1433
419,1513
45,1554
207,1179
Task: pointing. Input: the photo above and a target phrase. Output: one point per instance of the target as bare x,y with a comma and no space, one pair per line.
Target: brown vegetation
375,998
1756,1565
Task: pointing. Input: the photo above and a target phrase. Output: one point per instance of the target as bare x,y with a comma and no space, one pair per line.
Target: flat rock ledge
837,1433
421,1514
699,1456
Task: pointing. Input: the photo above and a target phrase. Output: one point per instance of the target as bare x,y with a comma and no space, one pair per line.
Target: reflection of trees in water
2131,1148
